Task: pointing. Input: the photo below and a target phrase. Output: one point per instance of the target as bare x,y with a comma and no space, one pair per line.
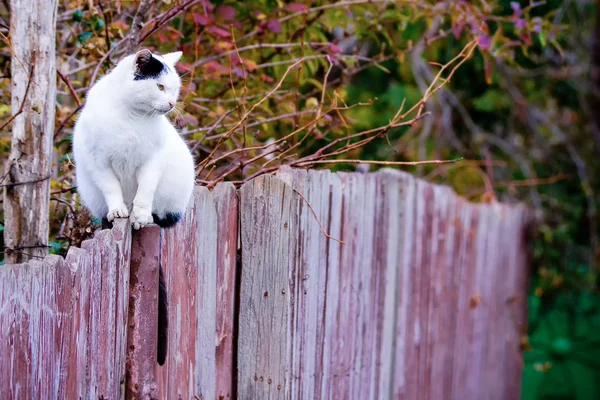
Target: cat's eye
161,87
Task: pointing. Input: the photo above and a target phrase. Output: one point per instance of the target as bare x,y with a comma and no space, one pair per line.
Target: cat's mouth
165,110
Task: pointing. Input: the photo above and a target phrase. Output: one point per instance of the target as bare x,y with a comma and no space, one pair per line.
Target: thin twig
327,235
66,120
26,182
24,96
375,162
70,86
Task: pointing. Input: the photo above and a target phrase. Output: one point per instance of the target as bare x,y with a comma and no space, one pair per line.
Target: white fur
130,160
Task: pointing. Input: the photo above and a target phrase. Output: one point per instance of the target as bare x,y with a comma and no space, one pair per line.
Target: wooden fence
424,299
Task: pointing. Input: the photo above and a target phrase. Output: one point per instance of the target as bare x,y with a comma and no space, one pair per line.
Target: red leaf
215,30
520,24
251,65
296,7
207,5
202,19
457,29
485,42
240,72
215,69
184,67
335,48
161,37
274,26
226,13
267,78
235,60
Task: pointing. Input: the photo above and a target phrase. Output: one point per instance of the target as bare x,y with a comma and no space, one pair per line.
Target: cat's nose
171,104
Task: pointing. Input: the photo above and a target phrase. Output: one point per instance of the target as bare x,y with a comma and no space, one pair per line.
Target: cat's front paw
140,217
118,212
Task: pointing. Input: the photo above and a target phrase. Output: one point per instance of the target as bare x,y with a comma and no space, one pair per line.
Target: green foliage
562,353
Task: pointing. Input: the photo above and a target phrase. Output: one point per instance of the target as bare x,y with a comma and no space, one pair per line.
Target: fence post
143,314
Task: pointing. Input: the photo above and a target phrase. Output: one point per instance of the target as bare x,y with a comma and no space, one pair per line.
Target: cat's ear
172,58
142,58
146,66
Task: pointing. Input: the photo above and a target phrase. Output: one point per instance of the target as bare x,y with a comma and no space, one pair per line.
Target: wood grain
33,101
226,201
189,259
268,237
143,314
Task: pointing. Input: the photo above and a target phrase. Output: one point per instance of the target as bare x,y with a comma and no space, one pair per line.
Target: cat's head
153,82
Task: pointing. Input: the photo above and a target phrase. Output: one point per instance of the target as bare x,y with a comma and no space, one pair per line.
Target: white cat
130,160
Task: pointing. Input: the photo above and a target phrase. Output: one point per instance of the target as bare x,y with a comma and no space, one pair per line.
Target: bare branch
137,25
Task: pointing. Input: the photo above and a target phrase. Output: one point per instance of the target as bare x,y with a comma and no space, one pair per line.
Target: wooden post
143,314
27,181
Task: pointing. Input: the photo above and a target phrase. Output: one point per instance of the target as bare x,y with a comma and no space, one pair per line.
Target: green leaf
84,37
55,247
78,15
99,24
542,38
65,157
96,221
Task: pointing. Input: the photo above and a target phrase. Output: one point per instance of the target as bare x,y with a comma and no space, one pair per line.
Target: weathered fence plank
268,235
143,317
225,198
79,263
189,258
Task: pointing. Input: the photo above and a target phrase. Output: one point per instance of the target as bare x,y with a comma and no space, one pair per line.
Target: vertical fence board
15,295
302,281
366,292
122,245
91,246
346,316
443,293
327,322
189,258
175,378
143,315
62,323
79,263
108,294
393,209
468,296
404,359
515,300
226,201
267,237
206,284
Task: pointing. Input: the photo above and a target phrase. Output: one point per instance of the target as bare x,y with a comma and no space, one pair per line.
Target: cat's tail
163,319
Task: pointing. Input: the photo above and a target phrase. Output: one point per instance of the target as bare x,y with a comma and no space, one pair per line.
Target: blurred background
507,90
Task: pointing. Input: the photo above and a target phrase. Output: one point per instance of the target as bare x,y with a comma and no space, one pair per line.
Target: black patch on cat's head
147,67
